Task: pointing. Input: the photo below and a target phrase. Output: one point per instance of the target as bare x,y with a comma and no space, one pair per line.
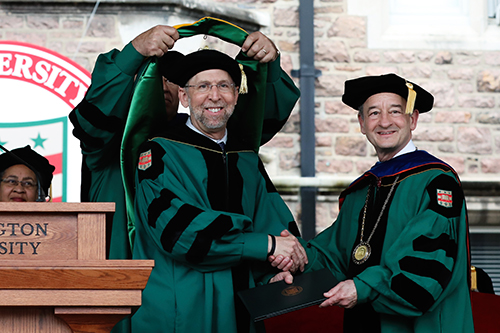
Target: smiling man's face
386,125
210,110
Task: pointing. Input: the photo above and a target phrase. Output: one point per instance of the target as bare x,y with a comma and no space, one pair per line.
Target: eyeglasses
204,88
14,182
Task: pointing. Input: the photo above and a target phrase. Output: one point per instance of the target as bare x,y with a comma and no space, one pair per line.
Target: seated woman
19,169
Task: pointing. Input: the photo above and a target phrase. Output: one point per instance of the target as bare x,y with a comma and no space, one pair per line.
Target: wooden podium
54,276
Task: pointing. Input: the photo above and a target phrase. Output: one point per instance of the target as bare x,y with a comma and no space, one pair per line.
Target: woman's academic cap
32,160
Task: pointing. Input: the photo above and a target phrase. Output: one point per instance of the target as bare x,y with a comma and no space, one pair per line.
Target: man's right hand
156,41
289,253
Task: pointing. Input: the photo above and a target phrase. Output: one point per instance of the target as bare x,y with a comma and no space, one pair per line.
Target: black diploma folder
277,298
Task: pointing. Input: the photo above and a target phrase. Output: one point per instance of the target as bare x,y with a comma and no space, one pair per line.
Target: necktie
223,146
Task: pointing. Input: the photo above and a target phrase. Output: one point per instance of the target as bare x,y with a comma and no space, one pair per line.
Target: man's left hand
343,294
259,47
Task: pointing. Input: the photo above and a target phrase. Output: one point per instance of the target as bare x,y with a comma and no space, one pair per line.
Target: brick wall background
463,129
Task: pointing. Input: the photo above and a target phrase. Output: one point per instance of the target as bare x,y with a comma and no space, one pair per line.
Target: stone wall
463,129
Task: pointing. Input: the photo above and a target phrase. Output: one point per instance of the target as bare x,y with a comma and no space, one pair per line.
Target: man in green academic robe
130,98
206,210
130,94
399,245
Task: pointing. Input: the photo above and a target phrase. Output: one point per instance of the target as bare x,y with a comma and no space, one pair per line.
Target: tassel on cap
473,284
357,91
410,101
244,84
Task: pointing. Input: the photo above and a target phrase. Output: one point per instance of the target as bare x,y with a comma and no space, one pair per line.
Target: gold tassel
244,84
410,101
473,278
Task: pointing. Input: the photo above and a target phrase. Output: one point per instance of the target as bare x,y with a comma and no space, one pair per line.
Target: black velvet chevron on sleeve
443,242
413,293
80,134
177,225
201,245
97,119
434,269
159,205
428,268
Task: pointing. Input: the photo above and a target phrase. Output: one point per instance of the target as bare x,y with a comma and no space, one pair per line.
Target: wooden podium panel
31,320
102,319
33,237
65,320
70,274
47,230
55,277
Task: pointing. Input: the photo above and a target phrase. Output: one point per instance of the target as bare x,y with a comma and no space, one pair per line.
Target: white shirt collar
409,148
191,126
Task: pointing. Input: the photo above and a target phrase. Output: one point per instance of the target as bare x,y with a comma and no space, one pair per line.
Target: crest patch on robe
445,198
145,160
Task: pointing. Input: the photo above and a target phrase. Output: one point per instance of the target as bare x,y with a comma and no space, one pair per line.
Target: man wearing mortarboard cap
399,244
22,172
206,209
130,97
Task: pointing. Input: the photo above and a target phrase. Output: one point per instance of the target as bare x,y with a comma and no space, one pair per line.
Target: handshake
286,253
289,256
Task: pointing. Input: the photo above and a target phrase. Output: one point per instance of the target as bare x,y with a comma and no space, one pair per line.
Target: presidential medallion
361,253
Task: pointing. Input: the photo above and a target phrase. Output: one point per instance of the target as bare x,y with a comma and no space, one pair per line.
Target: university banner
38,89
